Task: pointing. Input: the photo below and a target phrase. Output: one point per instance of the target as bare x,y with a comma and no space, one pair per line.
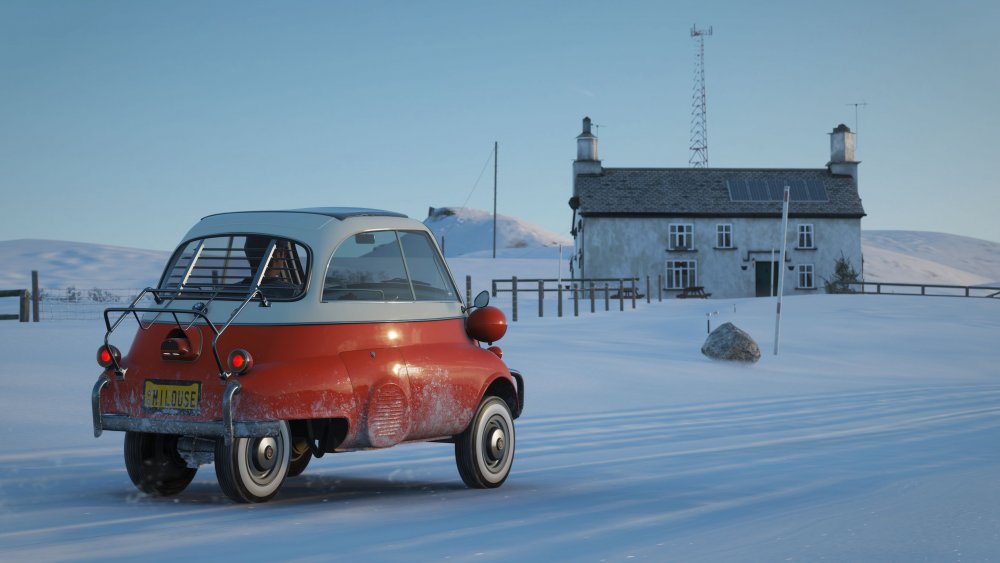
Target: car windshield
229,266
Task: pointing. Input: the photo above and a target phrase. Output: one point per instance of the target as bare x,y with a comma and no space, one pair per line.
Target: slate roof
704,192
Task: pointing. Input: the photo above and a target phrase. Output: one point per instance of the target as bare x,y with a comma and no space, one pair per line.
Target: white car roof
322,229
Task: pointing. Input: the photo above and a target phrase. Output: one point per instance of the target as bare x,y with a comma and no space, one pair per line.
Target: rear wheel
153,464
484,452
300,457
253,469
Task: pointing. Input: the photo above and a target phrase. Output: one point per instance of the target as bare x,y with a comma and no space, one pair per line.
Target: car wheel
484,452
300,457
253,469
153,464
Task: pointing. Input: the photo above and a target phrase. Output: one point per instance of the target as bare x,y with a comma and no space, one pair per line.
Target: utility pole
781,268
496,147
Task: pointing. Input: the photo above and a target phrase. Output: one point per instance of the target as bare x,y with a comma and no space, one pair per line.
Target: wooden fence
936,290
23,313
593,290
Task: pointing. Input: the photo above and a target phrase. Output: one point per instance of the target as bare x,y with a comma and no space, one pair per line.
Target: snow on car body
282,335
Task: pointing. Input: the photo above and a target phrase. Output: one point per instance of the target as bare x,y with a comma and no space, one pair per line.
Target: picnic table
693,292
627,294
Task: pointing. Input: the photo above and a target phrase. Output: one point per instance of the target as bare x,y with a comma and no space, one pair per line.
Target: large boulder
730,343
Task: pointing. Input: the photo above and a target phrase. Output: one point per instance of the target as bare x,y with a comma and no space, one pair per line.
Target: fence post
34,295
633,292
592,309
607,297
23,313
659,286
621,294
541,297
559,292
648,296
468,291
576,300
513,290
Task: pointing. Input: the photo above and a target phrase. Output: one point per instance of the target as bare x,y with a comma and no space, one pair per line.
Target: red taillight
107,356
240,361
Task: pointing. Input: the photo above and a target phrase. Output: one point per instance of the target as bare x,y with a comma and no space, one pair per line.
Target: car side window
431,281
368,267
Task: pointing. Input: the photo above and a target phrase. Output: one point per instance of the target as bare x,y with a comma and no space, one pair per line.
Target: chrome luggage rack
199,311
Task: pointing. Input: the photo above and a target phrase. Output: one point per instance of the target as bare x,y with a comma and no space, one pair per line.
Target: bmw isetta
274,337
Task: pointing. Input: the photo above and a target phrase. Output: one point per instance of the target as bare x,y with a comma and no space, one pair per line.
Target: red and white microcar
277,336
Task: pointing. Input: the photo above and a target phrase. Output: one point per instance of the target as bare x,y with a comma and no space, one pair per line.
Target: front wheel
253,469
153,464
484,452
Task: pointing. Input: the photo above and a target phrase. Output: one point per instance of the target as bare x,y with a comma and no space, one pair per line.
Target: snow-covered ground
872,436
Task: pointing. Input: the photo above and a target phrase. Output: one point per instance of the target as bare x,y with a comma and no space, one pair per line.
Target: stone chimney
842,153
586,152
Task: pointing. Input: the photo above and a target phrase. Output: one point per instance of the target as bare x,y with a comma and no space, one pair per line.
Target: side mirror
481,300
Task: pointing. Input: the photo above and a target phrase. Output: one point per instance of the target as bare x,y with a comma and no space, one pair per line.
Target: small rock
730,343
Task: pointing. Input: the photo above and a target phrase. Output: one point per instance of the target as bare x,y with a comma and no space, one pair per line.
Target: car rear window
228,266
388,266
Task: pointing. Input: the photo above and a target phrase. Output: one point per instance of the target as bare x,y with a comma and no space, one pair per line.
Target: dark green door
767,278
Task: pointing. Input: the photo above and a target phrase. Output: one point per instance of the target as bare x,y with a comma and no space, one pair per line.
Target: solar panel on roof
738,190
776,189
817,191
758,190
798,191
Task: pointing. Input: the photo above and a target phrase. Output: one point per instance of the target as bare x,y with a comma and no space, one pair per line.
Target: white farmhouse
718,228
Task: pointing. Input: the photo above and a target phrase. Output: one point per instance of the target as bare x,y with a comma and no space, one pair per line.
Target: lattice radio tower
699,105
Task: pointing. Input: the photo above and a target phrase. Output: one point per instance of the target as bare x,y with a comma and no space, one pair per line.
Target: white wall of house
626,247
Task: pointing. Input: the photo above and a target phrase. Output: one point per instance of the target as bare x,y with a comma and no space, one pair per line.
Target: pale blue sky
124,122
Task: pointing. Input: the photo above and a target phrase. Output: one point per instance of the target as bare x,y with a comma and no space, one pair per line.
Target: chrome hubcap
264,454
495,443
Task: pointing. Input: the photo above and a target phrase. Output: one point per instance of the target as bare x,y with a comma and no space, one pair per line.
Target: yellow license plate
171,396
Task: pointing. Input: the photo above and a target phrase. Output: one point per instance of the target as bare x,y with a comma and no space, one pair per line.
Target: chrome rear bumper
227,428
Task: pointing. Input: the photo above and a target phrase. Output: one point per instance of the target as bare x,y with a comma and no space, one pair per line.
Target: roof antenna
856,106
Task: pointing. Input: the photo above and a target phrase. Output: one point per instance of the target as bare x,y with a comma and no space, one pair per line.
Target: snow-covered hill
927,257
78,264
469,233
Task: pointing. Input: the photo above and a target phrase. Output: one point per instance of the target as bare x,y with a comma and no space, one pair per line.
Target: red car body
275,337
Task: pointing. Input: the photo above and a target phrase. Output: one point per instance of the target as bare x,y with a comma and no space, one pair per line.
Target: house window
681,236
806,280
681,273
724,236
806,236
